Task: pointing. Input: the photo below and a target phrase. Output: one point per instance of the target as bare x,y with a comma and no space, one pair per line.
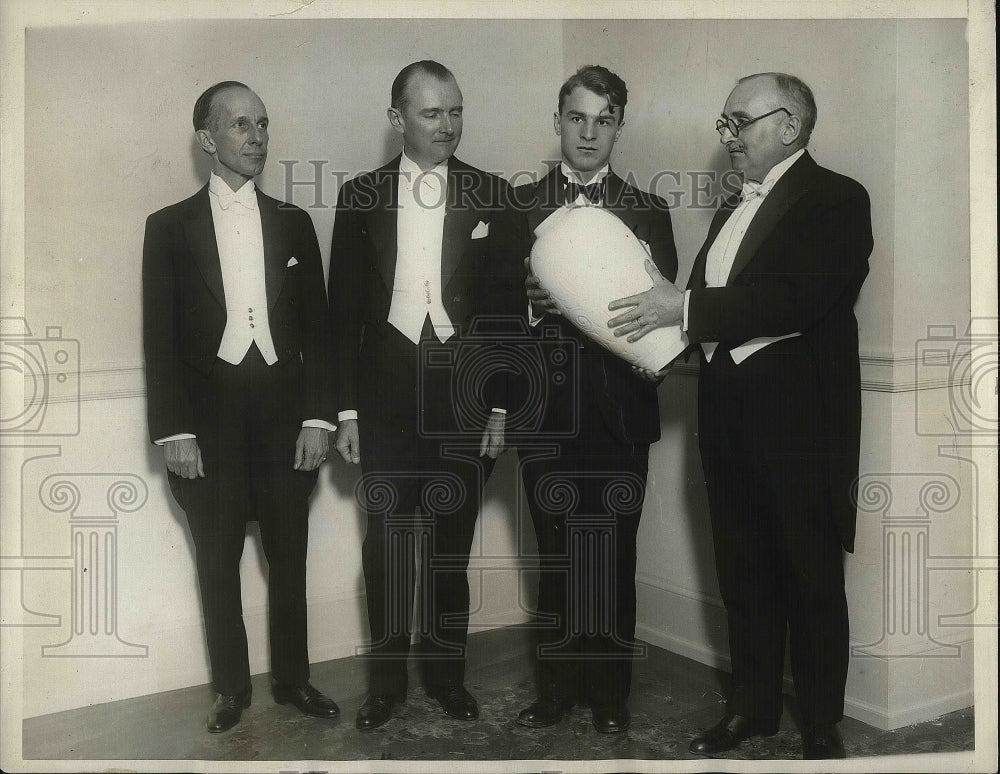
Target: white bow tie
753,190
245,196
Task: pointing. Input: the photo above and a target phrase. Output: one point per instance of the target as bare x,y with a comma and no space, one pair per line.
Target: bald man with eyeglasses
770,305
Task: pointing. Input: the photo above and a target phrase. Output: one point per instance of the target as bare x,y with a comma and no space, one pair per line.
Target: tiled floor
673,698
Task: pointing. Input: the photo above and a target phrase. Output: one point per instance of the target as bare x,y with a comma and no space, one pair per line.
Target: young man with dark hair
597,427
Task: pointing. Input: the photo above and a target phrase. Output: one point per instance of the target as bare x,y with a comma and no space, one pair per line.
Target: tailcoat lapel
614,187
697,279
620,202
200,233
548,197
382,220
452,241
460,219
789,189
277,247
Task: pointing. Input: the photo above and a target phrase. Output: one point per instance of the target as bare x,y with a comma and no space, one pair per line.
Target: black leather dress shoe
611,718
455,700
227,711
307,699
822,743
729,732
545,712
375,712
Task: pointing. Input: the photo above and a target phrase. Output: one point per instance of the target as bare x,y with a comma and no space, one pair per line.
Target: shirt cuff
320,423
499,411
532,320
343,416
687,300
177,437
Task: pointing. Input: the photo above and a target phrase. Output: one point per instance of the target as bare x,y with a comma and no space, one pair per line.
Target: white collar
775,172
245,195
409,167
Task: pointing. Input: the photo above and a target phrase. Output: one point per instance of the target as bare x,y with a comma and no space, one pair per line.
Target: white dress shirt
416,288
722,254
241,253
240,240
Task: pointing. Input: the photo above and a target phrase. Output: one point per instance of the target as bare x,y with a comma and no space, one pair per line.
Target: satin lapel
697,279
277,249
788,190
200,234
548,199
382,221
459,219
616,202
614,186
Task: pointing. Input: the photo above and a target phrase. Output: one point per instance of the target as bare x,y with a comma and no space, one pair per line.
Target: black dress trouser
421,488
247,429
585,489
778,555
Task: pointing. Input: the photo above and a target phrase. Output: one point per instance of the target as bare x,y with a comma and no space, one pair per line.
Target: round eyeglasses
728,123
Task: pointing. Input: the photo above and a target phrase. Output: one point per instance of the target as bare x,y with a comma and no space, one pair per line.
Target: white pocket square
481,230
292,262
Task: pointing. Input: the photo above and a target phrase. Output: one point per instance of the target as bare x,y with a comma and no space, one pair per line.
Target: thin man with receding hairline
238,380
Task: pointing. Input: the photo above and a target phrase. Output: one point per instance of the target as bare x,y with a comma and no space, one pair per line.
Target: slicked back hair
203,107
798,94
408,73
599,80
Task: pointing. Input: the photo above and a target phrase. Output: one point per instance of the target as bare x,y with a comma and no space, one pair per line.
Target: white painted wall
892,113
108,140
